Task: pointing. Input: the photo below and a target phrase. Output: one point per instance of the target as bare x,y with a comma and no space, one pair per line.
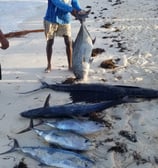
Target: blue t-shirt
58,11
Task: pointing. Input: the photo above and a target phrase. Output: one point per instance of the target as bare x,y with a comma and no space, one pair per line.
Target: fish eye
86,140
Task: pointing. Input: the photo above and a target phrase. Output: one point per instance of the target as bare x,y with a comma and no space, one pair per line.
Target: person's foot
70,68
48,69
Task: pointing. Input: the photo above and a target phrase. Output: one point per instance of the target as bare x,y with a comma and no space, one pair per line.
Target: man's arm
4,42
75,9
75,4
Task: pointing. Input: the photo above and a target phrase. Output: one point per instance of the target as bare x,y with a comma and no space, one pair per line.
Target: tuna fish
96,92
83,127
63,138
71,109
82,50
55,157
66,139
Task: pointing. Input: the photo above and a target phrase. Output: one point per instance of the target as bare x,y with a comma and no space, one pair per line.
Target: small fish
71,109
82,50
66,139
63,138
49,156
79,126
82,127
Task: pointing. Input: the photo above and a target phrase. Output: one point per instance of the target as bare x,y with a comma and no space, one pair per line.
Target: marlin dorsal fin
46,104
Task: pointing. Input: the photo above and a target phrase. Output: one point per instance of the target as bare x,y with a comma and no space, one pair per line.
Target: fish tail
44,85
30,127
87,159
15,146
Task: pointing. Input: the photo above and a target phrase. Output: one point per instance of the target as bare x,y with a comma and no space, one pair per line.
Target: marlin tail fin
44,85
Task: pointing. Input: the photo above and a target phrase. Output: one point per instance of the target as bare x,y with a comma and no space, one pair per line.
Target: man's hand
74,12
83,12
4,43
81,15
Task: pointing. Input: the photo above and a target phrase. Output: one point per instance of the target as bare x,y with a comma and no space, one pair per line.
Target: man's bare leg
49,51
68,43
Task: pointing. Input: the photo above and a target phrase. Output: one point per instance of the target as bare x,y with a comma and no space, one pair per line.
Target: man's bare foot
48,69
70,68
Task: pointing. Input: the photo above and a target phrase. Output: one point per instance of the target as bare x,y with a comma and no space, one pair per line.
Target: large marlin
71,109
82,50
96,92
55,157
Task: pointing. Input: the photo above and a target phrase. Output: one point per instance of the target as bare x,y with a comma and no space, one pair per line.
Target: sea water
15,12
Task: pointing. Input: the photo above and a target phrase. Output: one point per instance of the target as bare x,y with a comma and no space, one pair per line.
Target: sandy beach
128,32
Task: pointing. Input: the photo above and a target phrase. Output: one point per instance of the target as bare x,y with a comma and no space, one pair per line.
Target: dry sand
126,30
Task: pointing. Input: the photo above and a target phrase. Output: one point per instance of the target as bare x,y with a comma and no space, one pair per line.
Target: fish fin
15,145
93,41
44,85
91,60
46,104
41,164
30,127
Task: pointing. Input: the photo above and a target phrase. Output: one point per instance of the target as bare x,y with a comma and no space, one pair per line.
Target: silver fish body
54,157
82,50
57,157
66,139
82,127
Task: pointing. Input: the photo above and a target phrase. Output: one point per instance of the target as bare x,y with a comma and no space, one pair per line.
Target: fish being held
70,110
82,50
94,92
49,156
